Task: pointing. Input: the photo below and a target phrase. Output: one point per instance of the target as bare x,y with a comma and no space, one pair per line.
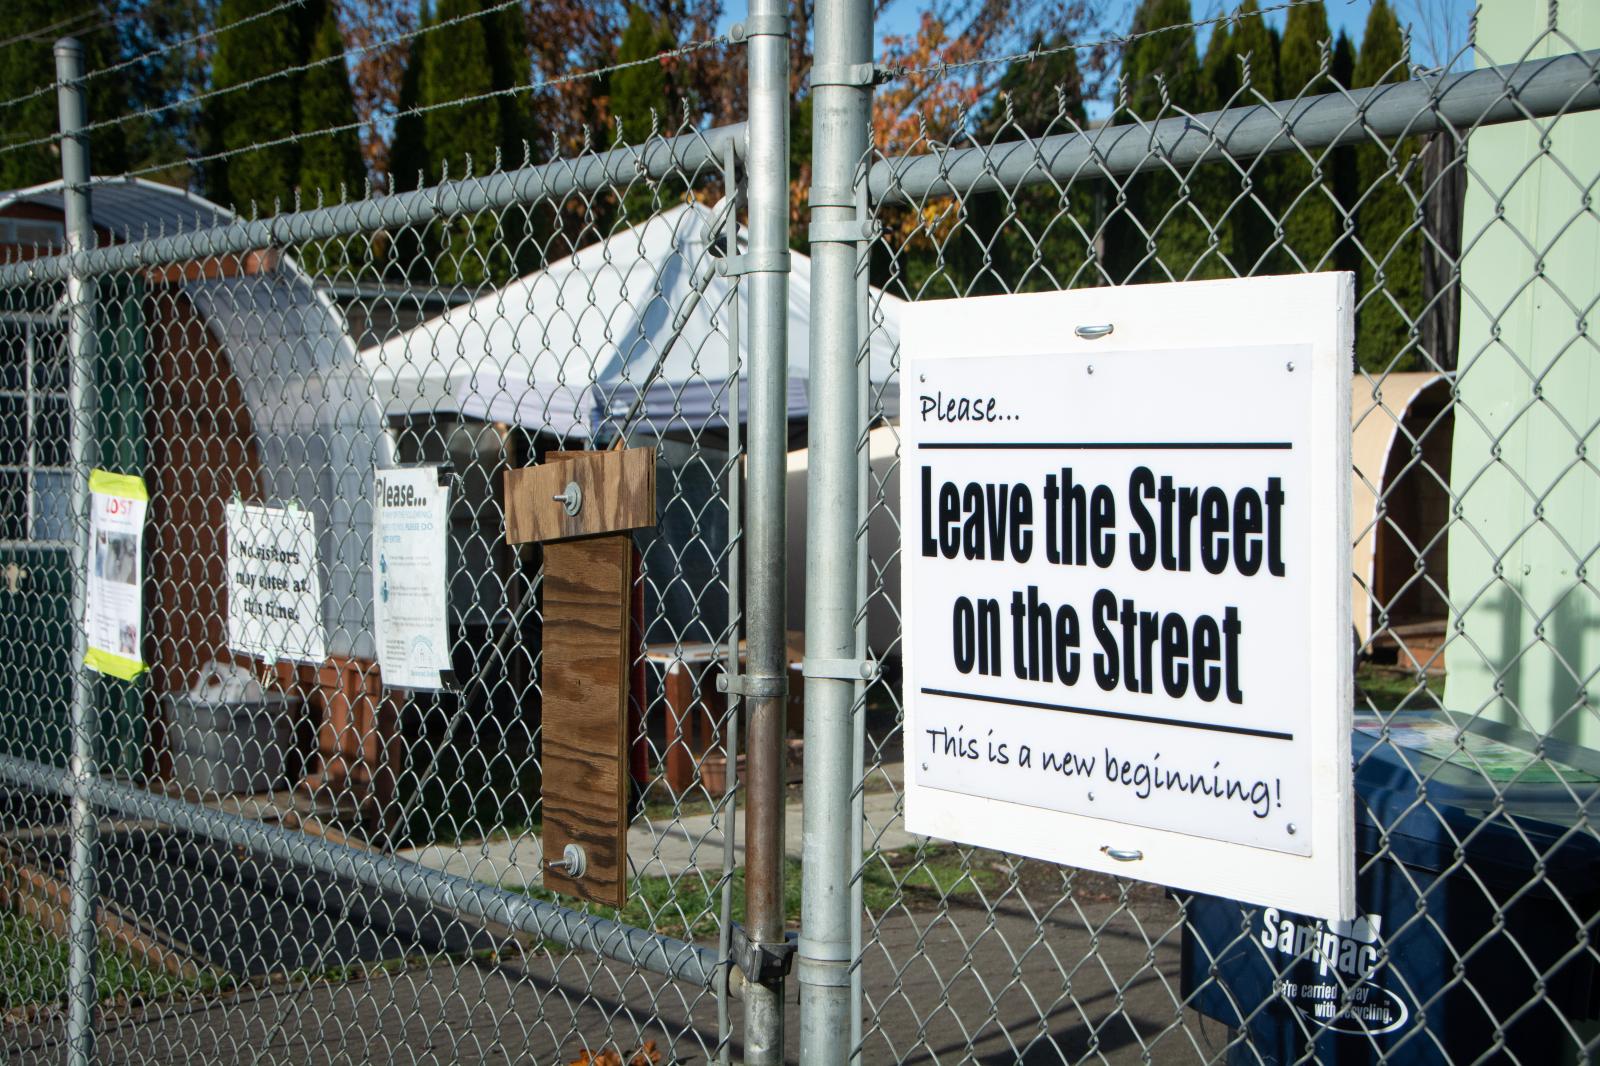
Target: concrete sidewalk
655,849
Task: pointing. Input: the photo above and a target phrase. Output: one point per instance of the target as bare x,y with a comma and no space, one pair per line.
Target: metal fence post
83,873
841,84
767,171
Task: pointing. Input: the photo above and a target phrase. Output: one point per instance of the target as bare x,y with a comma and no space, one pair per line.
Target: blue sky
1432,20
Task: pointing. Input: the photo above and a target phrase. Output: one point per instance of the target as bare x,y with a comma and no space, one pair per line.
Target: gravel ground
1093,979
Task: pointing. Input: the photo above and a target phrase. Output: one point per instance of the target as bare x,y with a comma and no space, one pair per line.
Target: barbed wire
893,73
134,60
34,34
195,99
423,109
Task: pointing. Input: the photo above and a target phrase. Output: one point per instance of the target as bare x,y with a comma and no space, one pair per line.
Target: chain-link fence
281,858
1462,200
277,857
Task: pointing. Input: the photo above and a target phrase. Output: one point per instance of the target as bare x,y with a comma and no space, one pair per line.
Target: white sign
1125,582
274,588
409,547
114,601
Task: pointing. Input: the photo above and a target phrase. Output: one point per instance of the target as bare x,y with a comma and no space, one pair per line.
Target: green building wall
1524,571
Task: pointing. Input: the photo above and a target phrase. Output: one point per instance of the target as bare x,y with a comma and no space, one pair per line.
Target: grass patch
930,875
1379,689
33,968
689,906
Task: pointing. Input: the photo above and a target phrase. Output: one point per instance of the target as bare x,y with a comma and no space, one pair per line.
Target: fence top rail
1528,89
656,158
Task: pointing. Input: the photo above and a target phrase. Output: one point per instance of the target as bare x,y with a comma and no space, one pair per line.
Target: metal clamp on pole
753,687
754,263
759,26
853,232
842,669
849,75
761,963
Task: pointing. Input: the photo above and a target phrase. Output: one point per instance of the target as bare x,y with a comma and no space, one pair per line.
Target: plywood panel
585,684
619,492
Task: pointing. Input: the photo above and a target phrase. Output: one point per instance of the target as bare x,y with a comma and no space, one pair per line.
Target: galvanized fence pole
767,262
841,85
83,873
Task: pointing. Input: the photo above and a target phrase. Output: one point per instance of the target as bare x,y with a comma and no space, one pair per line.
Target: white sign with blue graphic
410,542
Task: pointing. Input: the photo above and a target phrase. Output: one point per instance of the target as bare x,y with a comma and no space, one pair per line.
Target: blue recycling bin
1477,891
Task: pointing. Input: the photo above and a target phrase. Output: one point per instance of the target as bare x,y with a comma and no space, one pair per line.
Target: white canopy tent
568,350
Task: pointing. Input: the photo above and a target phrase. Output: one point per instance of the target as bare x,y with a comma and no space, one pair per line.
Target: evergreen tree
330,164
27,64
641,100
460,63
331,161
1389,278
264,112
1302,194
408,166
1252,222
638,93
510,67
1343,165
455,67
408,152
1219,70
1161,235
1256,44
1035,238
1216,184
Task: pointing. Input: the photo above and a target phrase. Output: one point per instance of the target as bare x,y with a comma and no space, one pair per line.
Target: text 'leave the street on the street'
1126,582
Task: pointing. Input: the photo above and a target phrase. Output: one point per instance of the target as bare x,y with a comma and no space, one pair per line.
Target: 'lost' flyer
114,604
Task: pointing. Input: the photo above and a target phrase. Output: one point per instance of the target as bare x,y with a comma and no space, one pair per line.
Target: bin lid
1433,785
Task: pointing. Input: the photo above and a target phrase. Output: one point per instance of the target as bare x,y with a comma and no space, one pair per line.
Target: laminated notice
409,547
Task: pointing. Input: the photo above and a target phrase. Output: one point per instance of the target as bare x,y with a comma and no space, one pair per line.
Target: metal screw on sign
1094,333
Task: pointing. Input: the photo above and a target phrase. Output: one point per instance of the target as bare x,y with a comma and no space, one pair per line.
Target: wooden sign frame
586,668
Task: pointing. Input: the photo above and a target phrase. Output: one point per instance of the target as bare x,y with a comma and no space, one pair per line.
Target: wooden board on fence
585,729
619,492
588,586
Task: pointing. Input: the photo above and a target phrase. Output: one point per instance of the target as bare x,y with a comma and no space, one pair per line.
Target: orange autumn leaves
645,1056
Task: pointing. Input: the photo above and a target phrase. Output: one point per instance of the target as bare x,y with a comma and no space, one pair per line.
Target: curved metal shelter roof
319,436
130,208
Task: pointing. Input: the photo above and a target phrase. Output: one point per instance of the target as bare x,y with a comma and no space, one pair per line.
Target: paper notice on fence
114,605
409,549
274,589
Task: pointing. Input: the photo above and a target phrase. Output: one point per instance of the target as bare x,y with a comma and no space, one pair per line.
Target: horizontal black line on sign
1213,727
1114,446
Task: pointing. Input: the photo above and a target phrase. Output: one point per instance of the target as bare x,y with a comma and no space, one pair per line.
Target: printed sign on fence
410,544
274,589
114,604
1125,582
